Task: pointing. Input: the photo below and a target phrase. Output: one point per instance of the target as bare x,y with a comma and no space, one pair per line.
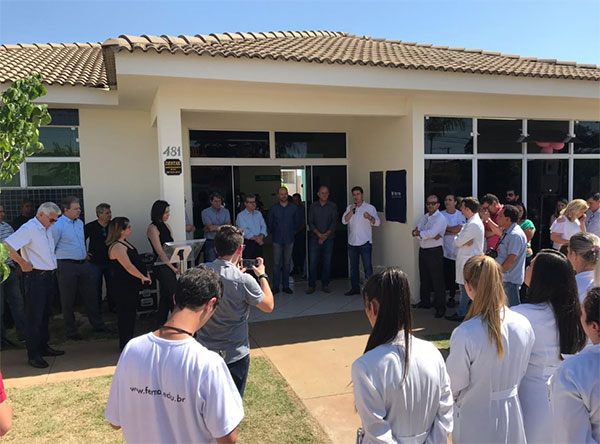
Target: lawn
73,412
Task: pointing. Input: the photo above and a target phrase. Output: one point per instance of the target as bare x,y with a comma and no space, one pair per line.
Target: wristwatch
265,276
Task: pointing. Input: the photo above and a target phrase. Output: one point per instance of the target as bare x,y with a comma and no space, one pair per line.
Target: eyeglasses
52,220
431,203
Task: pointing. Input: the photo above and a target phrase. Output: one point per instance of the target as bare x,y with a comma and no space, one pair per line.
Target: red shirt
2,392
492,241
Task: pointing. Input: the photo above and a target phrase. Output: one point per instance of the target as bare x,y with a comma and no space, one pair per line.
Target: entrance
234,182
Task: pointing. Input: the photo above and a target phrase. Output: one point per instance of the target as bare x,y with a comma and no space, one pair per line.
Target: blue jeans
356,252
512,293
239,373
282,258
209,250
316,252
99,271
463,304
10,291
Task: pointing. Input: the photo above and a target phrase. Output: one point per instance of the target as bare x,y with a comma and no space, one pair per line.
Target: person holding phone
226,332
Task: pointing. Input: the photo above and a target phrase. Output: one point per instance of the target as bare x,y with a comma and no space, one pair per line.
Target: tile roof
93,64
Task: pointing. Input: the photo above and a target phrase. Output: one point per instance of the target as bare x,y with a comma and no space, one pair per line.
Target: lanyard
177,329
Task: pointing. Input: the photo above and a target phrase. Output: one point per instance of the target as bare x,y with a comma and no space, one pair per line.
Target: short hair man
38,263
454,220
512,249
169,388
27,213
213,217
489,209
360,217
430,232
96,231
74,273
283,218
227,332
469,242
322,220
512,196
252,223
592,219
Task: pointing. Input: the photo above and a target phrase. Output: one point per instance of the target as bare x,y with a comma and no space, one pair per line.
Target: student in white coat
584,255
401,388
489,353
576,384
553,310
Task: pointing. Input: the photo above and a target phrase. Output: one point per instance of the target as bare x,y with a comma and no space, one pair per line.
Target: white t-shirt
565,228
172,392
452,220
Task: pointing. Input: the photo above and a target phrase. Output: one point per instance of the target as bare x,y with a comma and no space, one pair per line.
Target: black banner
395,196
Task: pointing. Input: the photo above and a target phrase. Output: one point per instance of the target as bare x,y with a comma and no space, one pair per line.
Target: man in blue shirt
512,249
212,218
284,218
253,224
74,272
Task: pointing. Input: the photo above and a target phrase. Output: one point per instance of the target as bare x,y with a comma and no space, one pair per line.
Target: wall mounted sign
395,196
173,167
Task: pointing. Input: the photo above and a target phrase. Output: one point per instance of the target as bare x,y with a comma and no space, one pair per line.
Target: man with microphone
360,217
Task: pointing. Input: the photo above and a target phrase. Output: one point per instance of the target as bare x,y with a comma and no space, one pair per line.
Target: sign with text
395,196
173,167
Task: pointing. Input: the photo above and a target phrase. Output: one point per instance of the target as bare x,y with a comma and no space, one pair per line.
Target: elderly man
252,223
512,249
592,219
38,263
430,233
74,271
96,232
213,217
489,209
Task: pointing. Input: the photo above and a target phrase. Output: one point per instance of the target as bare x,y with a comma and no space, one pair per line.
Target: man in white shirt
169,388
38,263
469,242
592,219
454,220
430,234
360,217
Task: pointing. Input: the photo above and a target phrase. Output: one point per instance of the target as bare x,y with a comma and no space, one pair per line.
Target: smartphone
249,263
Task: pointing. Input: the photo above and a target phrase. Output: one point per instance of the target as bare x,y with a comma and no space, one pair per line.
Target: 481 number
172,151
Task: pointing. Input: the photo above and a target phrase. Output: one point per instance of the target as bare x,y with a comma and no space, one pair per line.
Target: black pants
252,249
239,373
450,277
167,281
39,290
431,272
127,301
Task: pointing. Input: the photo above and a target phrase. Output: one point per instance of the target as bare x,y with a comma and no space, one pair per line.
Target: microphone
354,209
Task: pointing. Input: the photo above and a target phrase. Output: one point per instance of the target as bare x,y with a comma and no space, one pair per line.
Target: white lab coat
418,410
576,398
472,230
485,388
544,361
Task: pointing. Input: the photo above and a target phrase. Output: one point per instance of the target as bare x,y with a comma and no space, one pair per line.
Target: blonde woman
570,221
489,353
584,254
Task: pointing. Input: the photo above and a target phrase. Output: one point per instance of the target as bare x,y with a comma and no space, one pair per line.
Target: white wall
119,166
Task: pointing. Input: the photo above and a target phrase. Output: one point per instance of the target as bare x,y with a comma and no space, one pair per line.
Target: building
242,112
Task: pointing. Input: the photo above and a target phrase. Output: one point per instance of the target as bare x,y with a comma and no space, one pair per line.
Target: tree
19,133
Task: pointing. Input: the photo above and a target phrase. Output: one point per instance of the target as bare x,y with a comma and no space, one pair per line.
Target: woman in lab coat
401,388
576,384
489,353
552,308
584,255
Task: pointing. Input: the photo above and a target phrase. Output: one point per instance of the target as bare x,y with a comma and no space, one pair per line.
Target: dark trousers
10,291
355,253
252,250
431,272
209,250
39,289
73,278
450,277
126,313
167,281
100,271
299,252
320,252
239,373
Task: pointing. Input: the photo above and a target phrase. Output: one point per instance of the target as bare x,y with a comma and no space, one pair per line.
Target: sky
566,30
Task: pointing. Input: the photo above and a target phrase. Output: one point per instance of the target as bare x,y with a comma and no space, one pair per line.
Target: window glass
229,144
496,176
498,135
310,145
547,137
59,142
448,135
65,117
444,177
43,174
15,182
586,177
588,138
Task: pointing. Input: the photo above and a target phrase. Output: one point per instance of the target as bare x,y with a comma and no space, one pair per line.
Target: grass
73,412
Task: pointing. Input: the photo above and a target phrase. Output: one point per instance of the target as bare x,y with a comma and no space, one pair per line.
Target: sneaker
326,289
310,290
288,290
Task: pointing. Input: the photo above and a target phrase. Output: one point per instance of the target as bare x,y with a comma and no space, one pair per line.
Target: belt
36,271
505,394
72,261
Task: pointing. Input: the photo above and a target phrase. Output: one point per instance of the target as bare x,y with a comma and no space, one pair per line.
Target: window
586,177
547,137
229,144
45,174
59,141
587,136
444,177
498,135
498,175
310,145
447,135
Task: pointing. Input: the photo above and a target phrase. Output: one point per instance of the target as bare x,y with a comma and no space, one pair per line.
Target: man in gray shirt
322,220
512,249
227,331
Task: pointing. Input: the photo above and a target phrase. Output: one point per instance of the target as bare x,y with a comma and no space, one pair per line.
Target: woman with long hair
570,221
488,357
584,255
128,276
401,388
576,385
561,204
552,308
159,232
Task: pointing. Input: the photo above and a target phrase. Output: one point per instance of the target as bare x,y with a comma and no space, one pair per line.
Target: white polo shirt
360,230
36,244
